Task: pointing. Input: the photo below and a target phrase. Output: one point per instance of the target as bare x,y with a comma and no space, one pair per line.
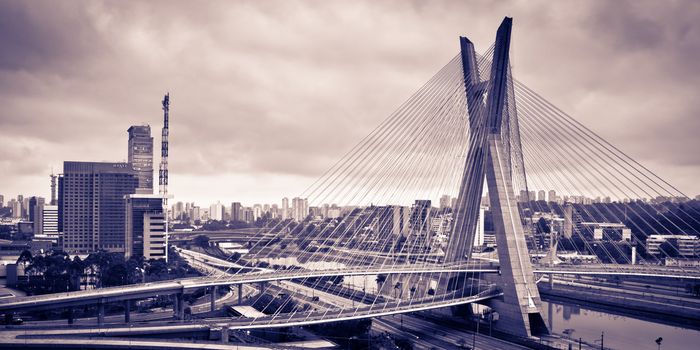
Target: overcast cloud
265,95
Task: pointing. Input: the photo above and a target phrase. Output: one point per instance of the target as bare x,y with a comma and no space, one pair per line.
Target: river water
621,332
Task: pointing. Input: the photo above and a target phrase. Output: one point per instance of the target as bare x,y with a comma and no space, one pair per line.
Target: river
621,332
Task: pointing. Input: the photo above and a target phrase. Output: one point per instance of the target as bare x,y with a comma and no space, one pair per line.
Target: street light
658,342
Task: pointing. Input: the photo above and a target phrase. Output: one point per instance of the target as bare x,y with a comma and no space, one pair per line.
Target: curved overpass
272,321
142,291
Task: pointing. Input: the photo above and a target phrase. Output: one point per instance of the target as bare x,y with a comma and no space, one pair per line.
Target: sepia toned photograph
366,175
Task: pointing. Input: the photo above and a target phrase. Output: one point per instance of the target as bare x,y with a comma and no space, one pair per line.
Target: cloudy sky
265,95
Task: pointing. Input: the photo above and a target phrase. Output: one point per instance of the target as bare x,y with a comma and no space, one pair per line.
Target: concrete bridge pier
8,318
100,312
551,282
224,334
71,315
179,306
127,311
212,301
262,285
240,293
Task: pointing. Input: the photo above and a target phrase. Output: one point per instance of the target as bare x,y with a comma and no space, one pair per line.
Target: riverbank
648,307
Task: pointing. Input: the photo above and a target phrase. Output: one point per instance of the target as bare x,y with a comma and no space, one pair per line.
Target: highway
420,331
146,290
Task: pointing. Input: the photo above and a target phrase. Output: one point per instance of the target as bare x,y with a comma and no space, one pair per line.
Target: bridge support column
127,311
261,285
179,306
240,293
224,334
497,157
212,301
100,312
8,318
551,281
71,315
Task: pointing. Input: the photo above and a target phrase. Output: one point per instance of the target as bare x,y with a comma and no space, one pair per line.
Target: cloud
284,88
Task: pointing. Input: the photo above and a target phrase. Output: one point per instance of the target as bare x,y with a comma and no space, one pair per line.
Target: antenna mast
163,171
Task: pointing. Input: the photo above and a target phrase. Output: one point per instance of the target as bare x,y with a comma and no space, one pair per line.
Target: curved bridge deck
140,291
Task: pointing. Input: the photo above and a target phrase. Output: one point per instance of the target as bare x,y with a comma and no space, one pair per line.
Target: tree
397,287
75,272
116,276
381,278
404,343
543,226
157,268
201,241
25,258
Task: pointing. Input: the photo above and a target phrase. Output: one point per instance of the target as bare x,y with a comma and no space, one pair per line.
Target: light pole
658,342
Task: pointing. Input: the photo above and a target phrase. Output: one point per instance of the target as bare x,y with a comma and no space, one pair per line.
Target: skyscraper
2,201
145,227
400,220
141,156
36,213
216,211
479,234
236,214
420,215
445,202
285,208
49,228
15,207
257,211
300,209
541,195
92,205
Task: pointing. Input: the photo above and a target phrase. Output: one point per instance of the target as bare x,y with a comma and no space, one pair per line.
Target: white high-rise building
300,209
216,211
400,220
49,227
479,236
285,208
257,212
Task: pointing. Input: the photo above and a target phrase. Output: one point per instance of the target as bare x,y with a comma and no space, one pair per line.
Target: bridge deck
137,291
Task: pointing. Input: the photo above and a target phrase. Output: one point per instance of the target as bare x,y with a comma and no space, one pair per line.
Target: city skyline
360,175
256,123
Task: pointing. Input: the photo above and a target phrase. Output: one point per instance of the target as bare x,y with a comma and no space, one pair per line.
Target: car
14,321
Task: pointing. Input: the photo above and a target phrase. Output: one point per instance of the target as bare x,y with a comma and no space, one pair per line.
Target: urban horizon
358,175
215,136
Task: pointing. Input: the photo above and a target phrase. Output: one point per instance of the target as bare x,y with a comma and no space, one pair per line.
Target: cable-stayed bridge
471,127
